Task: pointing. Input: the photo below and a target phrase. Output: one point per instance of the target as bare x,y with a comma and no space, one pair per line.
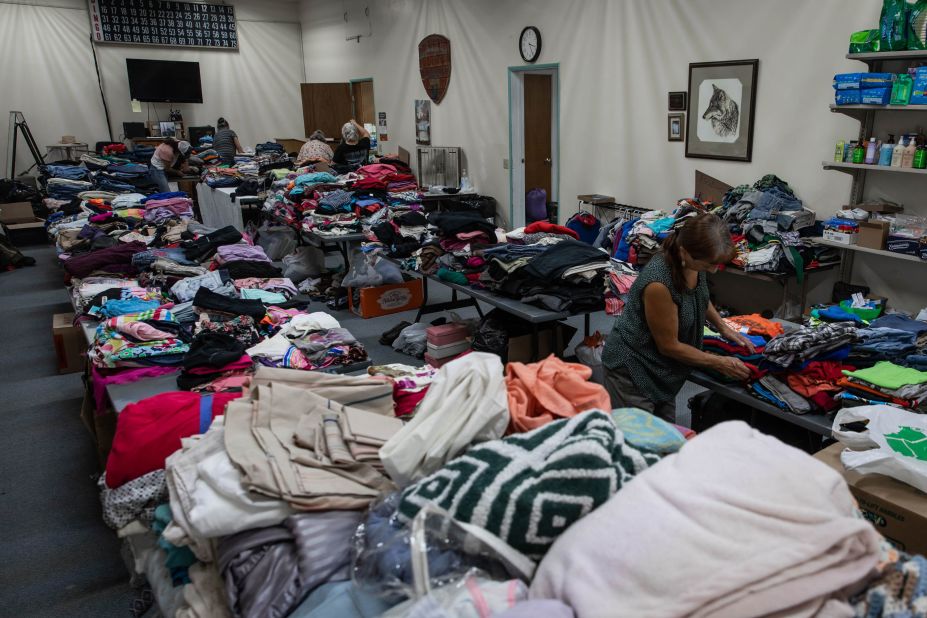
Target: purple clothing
240,252
161,210
116,259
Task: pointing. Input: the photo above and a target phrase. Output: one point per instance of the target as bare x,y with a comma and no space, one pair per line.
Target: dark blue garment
586,226
131,169
900,322
836,313
622,247
71,172
164,196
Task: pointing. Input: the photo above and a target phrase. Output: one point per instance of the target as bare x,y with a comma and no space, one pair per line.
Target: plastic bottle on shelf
859,153
910,150
871,152
898,152
885,154
465,185
920,157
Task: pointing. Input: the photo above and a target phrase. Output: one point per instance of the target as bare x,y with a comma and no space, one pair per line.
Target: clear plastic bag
276,240
412,340
305,262
362,273
399,562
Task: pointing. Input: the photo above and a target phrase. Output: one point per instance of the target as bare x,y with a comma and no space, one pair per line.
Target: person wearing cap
181,166
165,156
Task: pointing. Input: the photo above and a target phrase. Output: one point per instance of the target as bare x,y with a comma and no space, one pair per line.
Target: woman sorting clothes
657,340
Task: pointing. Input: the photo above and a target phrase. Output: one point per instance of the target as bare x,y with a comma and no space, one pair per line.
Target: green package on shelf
901,90
864,42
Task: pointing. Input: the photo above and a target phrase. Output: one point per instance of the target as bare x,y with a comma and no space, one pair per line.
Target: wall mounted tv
164,81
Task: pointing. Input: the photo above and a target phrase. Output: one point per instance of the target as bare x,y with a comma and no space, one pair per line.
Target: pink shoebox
446,333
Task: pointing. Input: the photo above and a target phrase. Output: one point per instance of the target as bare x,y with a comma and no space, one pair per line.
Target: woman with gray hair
315,150
354,148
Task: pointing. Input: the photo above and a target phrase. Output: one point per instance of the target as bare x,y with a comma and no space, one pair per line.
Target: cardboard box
897,510
21,223
449,350
446,334
386,299
553,338
841,237
70,345
873,234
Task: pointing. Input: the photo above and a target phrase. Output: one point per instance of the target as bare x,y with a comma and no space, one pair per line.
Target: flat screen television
166,81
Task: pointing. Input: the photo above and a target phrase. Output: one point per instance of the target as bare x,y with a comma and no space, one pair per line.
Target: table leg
344,249
478,310
535,344
804,296
586,321
421,309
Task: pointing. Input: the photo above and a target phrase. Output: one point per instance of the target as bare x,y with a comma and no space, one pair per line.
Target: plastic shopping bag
589,353
884,440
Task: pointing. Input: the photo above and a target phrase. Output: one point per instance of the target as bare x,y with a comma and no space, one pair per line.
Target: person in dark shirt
225,142
355,145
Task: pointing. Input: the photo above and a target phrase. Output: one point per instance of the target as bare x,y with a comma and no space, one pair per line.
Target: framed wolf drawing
722,100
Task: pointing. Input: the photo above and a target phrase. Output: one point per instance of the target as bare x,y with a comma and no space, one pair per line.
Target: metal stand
19,126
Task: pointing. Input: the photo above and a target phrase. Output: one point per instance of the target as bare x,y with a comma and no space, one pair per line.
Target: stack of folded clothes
755,324
122,300
882,343
309,342
826,342
888,383
160,210
713,342
568,276
213,355
410,385
818,382
140,340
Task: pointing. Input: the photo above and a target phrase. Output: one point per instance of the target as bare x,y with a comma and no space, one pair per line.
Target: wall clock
529,44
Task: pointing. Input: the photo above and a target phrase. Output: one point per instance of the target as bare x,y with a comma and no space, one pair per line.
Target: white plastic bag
362,273
893,443
589,353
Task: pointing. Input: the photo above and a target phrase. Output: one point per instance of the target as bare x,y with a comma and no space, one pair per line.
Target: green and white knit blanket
528,488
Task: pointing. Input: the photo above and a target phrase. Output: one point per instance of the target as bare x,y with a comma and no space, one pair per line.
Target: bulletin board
158,22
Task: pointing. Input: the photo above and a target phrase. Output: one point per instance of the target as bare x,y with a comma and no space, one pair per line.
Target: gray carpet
59,557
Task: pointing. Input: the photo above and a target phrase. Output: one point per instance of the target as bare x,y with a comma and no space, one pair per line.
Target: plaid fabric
808,342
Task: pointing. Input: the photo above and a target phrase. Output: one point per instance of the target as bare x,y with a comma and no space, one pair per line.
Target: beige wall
48,74
618,59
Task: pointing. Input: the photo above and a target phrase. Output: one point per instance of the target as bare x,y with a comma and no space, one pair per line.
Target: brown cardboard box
386,299
897,510
872,234
19,215
552,339
70,345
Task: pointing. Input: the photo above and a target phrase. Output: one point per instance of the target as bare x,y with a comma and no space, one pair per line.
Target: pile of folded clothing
309,342
826,342
619,279
65,189
117,301
445,342
213,355
567,276
818,382
159,210
888,383
219,177
307,436
140,340
713,342
540,232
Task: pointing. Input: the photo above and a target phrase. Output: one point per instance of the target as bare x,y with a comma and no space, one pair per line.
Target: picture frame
677,101
423,122
168,128
675,127
722,98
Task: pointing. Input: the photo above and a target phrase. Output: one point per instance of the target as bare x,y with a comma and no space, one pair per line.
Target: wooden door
326,107
362,92
538,132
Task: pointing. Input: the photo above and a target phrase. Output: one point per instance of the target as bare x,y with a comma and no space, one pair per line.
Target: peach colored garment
542,392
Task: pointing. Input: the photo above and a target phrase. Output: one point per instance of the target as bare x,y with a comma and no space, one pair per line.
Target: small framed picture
167,129
675,127
678,101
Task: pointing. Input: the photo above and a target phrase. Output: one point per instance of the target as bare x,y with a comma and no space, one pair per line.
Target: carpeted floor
59,557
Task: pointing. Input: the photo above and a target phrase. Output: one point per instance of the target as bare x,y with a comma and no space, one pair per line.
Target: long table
819,424
342,242
529,313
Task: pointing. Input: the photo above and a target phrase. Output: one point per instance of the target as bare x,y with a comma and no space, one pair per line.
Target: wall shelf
859,111
851,168
882,56
882,252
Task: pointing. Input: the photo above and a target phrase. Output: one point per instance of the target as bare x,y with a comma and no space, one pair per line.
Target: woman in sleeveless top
657,340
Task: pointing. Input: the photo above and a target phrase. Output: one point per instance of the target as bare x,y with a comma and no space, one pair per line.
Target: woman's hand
732,367
737,338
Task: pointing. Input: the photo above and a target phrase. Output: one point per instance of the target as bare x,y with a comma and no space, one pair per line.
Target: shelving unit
855,248
852,168
865,114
